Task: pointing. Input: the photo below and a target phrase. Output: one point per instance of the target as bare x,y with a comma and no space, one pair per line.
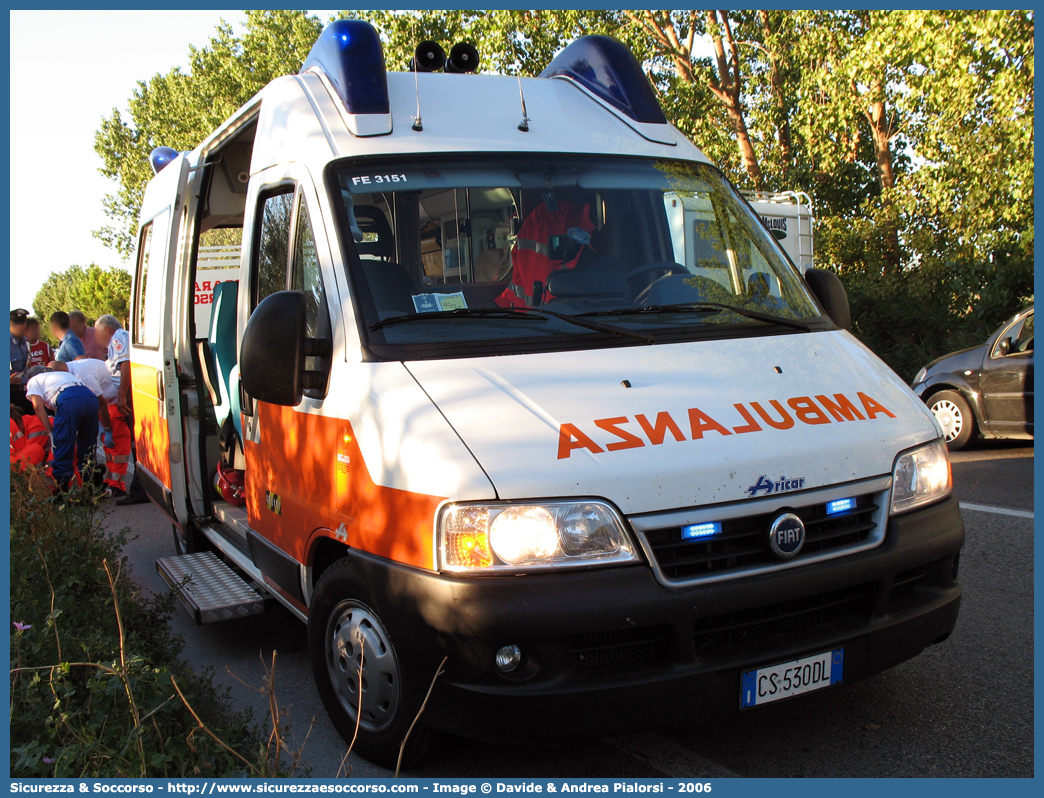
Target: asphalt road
962,708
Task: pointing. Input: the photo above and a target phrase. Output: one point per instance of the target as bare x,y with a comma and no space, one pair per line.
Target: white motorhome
467,403
787,215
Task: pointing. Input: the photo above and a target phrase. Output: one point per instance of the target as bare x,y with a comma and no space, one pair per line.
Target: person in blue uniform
70,347
74,430
19,359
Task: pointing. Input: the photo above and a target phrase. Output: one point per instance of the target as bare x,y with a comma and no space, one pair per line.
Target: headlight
919,377
497,537
921,477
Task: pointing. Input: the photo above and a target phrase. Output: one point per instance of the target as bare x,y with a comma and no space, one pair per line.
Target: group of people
62,398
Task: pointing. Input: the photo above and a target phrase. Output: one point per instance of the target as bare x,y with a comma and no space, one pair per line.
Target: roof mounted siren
428,57
606,68
349,58
464,57
160,157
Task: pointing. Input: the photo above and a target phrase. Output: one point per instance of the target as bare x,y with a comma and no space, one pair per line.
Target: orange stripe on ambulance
802,408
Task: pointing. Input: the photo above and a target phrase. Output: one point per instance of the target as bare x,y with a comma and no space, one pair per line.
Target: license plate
765,685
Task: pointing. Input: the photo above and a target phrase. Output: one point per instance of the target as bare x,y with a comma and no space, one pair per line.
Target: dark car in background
986,390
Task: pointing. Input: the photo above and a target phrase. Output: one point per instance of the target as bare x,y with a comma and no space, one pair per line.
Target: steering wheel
666,266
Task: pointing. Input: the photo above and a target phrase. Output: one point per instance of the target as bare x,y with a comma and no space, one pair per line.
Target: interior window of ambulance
306,276
492,251
217,261
273,247
148,308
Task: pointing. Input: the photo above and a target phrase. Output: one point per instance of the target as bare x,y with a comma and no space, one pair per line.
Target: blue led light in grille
697,531
840,506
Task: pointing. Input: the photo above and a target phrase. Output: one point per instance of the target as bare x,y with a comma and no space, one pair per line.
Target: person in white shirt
75,428
108,332
94,374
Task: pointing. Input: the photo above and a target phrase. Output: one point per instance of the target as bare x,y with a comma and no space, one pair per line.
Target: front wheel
955,417
367,692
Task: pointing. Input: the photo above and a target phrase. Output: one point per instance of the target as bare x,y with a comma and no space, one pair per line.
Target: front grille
767,628
624,647
743,542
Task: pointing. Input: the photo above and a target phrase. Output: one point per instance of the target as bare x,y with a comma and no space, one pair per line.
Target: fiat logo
786,536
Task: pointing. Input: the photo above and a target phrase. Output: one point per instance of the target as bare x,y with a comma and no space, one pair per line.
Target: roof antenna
417,124
524,124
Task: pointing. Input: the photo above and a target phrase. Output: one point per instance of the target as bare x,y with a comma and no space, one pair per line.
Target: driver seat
530,257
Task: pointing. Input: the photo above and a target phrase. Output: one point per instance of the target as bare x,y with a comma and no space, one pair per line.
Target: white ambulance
468,401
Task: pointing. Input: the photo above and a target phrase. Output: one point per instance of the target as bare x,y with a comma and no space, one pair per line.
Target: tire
343,613
956,417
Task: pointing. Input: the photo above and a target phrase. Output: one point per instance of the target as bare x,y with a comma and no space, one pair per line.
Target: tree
103,291
56,294
509,41
93,290
180,109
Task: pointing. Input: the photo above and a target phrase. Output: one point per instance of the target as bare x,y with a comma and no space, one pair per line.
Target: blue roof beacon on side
160,157
349,56
607,68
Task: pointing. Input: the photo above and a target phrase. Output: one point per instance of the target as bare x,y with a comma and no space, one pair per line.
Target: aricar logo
781,485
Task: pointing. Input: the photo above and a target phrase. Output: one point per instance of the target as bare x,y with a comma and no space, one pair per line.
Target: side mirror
827,288
272,359
1005,347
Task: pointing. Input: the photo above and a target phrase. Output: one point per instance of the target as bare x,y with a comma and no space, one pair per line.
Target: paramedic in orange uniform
30,442
108,332
17,433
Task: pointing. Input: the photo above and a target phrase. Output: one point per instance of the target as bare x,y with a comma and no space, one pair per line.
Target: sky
57,103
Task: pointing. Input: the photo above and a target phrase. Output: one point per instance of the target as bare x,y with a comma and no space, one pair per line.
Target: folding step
208,588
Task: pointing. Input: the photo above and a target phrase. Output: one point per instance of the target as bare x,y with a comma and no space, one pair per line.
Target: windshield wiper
597,325
434,315
705,307
513,313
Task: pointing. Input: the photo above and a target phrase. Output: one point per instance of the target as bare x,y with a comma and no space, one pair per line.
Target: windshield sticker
755,417
430,303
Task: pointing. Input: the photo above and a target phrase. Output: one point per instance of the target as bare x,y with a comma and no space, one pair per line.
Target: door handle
159,386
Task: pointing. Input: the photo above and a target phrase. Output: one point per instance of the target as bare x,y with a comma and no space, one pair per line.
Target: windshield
521,253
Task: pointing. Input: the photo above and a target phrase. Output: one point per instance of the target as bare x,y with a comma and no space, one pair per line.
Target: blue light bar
349,53
840,506
606,67
697,531
160,157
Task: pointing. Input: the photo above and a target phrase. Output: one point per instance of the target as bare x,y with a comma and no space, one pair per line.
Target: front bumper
614,650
